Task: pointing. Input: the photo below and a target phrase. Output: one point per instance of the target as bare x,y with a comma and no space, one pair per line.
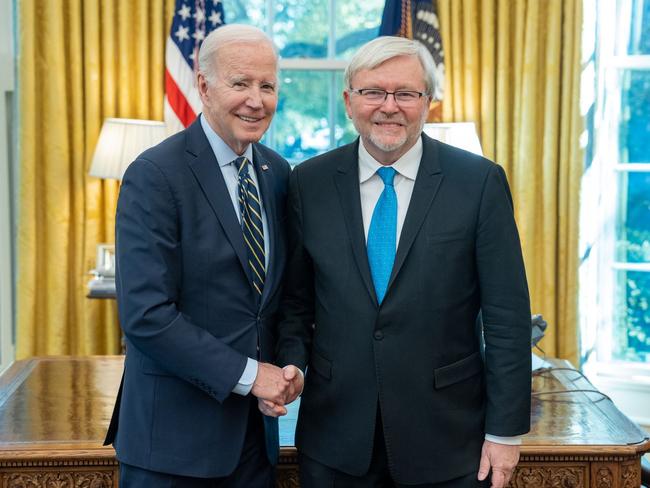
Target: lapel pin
265,167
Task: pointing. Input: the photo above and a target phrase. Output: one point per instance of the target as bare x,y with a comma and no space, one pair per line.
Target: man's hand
270,384
270,409
502,458
296,381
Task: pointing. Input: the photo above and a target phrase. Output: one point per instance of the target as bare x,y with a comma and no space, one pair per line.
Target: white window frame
330,63
628,383
310,64
7,85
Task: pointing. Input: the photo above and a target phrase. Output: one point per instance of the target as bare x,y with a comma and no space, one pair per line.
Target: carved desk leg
604,475
631,473
545,475
287,476
42,478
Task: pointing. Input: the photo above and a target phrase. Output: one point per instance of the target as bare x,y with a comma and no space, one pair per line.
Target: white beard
387,147
397,144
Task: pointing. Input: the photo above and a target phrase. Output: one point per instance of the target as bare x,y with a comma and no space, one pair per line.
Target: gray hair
224,35
379,50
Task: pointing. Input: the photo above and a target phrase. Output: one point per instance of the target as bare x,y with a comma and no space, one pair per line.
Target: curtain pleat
513,67
79,63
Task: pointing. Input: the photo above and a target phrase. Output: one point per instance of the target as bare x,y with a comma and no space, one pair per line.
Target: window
315,39
615,220
7,87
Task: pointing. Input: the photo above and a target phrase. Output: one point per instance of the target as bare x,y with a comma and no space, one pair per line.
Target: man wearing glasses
397,241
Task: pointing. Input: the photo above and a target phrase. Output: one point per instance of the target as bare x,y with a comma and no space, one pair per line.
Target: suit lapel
426,186
347,184
205,167
265,179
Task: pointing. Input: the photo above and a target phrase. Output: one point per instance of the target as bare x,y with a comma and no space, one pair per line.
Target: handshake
275,388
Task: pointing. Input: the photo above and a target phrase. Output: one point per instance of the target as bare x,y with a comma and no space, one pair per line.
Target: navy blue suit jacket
188,309
417,354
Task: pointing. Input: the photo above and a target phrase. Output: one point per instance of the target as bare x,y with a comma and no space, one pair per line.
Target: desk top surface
67,402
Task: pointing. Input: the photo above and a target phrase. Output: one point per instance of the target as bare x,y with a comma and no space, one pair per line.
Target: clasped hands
276,387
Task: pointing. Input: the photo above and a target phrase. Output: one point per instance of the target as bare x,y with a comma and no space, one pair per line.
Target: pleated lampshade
120,142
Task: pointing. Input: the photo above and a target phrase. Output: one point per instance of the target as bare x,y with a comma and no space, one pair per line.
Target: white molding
625,266
633,61
627,384
313,64
632,167
631,398
7,84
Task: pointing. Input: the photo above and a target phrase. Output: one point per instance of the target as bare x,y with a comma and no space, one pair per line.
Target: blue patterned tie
382,235
251,220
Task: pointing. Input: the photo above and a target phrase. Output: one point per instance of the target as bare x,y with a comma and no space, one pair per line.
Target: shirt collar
222,151
407,165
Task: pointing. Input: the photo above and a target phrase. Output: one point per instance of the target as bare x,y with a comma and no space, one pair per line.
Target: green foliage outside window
311,115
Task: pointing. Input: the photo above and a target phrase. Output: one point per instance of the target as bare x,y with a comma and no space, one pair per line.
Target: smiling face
388,130
240,102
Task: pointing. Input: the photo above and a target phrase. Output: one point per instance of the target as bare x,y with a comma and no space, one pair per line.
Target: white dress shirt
371,186
225,157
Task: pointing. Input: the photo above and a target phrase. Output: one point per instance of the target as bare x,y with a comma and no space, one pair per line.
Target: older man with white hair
397,242
200,250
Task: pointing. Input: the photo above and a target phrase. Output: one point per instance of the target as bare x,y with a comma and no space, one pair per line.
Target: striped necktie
251,220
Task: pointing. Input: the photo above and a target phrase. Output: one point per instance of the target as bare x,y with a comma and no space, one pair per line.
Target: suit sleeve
149,267
295,327
505,308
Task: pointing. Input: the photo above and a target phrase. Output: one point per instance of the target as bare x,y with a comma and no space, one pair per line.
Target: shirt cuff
245,383
497,439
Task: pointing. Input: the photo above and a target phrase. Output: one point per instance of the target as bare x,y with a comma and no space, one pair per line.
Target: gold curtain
513,67
79,62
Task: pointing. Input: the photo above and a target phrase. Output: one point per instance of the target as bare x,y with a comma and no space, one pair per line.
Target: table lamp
120,142
459,134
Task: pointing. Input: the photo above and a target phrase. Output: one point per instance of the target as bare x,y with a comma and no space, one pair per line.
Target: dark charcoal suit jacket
417,355
188,309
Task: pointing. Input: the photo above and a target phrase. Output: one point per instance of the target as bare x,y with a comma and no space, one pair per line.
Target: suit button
379,335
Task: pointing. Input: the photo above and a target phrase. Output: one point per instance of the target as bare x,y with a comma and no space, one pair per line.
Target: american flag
193,20
418,19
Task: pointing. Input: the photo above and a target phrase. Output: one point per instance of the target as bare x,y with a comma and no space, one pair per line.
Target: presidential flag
418,19
193,20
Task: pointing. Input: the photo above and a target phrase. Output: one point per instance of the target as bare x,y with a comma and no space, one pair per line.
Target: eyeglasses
375,96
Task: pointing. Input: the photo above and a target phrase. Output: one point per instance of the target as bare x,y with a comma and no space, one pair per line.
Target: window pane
249,12
356,23
345,131
301,128
634,124
301,29
309,102
633,240
640,28
632,317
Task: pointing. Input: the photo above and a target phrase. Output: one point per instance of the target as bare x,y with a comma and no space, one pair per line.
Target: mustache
378,119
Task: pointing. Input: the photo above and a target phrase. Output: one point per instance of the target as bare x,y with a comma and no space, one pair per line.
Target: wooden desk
54,412
578,438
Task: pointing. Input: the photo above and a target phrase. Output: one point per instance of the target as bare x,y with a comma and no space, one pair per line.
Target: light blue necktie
382,234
